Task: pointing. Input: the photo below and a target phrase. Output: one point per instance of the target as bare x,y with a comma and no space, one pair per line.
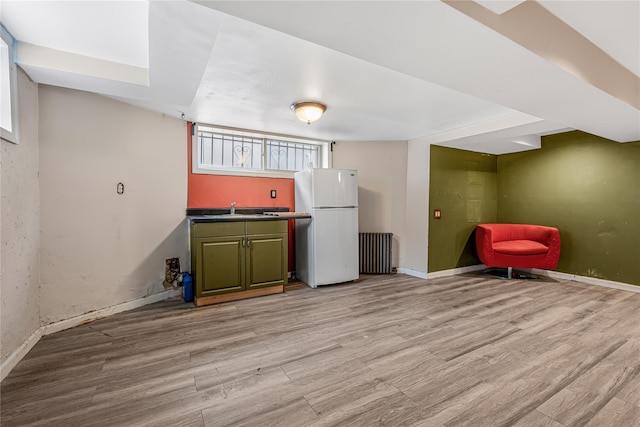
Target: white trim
258,173
15,357
12,135
108,311
588,280
61,325
454,271
414,273
31,55
549,273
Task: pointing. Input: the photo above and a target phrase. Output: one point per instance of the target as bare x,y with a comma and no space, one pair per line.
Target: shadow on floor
501,273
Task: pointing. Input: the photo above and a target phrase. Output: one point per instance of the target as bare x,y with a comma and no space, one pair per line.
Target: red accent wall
218,191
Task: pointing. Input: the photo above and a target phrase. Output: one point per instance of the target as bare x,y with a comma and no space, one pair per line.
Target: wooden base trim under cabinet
216,299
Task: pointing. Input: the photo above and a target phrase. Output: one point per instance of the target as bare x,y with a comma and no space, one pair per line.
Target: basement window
225,151
8,89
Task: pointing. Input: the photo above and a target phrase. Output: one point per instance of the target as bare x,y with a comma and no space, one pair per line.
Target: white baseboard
108,311
549,273
19,353
414,273
588,280
454,271
61,325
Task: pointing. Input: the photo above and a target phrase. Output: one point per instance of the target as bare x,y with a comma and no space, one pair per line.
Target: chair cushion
520,247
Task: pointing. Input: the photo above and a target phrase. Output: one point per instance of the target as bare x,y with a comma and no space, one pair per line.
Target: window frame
13,135
196,168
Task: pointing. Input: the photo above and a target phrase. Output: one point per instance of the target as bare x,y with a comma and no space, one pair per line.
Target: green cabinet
240,258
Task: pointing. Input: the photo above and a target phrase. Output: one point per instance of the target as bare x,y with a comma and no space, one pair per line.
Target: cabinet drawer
217,229
267,227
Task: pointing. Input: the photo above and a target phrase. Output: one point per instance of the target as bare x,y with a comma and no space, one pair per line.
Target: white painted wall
98,248
382,177
20,226
415,246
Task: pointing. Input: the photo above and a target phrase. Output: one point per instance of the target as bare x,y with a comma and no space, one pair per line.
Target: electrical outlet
273,194
437,214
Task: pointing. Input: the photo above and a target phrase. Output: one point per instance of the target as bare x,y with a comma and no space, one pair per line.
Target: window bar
203,141
201,156
237,159
210,138
222,151
274,150
301,166
295,158
286,166
249,144
307,157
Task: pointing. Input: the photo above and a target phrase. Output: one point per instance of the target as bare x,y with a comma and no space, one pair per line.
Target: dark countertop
199,215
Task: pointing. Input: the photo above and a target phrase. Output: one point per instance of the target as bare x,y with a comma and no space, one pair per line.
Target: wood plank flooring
466,350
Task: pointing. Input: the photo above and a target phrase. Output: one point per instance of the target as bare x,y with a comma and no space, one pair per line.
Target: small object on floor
503,273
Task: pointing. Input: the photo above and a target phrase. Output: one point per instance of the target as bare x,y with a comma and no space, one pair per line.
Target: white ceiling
386,70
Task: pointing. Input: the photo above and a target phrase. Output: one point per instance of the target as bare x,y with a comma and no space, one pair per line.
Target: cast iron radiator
375,252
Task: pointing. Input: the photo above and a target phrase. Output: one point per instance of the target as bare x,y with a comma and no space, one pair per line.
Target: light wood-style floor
389,350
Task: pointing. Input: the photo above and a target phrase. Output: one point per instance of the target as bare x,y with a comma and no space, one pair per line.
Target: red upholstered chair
518,245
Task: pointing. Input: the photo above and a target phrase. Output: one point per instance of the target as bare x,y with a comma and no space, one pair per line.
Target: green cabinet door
220,265
267,260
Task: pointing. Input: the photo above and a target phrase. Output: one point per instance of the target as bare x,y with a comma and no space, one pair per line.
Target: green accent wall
589,188
463,186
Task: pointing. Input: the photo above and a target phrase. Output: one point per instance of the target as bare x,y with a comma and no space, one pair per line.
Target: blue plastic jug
187,287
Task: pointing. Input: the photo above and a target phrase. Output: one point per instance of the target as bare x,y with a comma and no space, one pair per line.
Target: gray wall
70,244
382,186
20,226
415,245
99,248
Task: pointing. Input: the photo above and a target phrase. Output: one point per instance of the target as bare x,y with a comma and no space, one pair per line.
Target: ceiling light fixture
308,111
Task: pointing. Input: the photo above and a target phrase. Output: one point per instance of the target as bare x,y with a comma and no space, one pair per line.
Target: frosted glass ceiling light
308,111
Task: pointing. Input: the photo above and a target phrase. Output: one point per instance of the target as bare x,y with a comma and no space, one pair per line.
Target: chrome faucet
233,208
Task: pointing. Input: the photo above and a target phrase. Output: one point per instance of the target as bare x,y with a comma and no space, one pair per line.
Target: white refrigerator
327,245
